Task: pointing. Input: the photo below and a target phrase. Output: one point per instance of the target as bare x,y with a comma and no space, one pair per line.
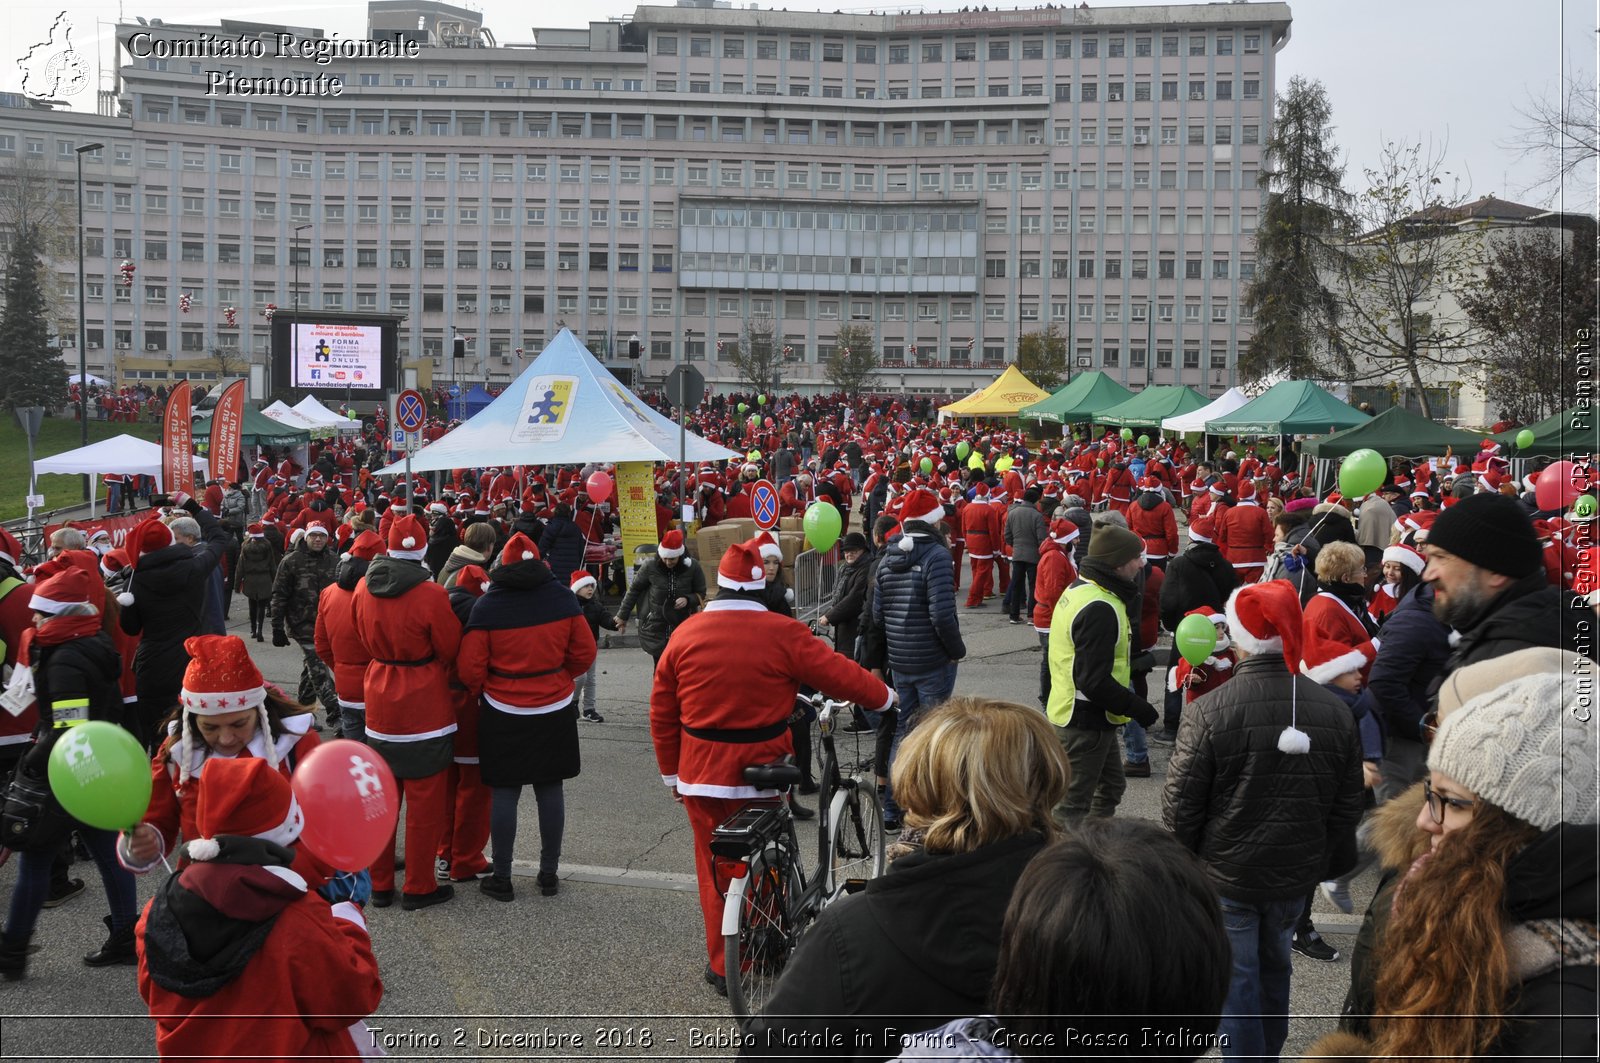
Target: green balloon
744,408
1099,463
761,400
755,420
963,448
1362,473
1195,638
1127,433
1144,441
101,776
1525,439
927,466
1584,506
822,526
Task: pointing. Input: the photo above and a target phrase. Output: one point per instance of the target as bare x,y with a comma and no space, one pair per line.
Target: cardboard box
744,526
791,524
793,544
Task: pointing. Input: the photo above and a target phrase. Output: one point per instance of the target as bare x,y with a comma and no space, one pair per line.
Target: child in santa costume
238,956
1198,680
584,586
1402,571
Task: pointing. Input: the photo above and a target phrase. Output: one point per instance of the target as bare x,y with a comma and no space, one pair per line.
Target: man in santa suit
794,496
720,702
404,621
1244,535
977,528
738,504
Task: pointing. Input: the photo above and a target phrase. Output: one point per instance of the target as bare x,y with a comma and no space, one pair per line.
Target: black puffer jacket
561,548
916,599
1262,820
917,948
1198,576
653,592
1407,672
443,537
849,602
1526,614
169,588
87,668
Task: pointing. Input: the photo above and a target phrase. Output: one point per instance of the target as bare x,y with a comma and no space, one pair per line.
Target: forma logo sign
546,409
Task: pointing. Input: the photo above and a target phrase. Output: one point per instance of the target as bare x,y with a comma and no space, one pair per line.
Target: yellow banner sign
636,504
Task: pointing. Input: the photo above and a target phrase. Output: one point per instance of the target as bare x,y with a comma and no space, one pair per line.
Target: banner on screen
326,354
177,442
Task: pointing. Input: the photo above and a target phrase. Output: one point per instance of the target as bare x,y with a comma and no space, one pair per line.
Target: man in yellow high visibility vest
1090,692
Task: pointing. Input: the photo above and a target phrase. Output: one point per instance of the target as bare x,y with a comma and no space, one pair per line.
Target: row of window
994,46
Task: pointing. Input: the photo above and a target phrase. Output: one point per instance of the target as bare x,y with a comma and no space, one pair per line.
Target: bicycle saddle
775,776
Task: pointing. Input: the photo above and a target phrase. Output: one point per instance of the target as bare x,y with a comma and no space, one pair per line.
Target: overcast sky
1452,72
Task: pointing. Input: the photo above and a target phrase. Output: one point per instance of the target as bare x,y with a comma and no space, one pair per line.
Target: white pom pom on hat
125,599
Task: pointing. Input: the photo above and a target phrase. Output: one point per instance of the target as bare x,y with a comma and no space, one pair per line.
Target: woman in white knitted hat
1489,945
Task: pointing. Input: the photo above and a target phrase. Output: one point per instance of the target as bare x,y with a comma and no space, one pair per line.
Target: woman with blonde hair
976,782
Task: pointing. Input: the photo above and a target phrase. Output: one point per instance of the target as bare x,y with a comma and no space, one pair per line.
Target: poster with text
177,443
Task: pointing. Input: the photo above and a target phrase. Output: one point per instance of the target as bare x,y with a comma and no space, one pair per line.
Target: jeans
503,825
1133,741
1044,668
33,885
918,695
1255,1015
586,687
353,723
1019,596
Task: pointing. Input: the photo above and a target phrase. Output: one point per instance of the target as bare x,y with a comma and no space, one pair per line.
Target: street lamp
83,345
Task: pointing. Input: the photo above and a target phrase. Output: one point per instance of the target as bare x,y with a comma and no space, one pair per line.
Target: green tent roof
259,430
1084,399
1293,407
1396,432
1556,437
1149,406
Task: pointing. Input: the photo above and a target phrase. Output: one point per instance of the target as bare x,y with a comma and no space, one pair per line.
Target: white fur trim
40,604
1329,670
286,832
349,913
1294,741
125,599
203,849
662,551
409,542
757,580
772,550
216,703
1409,558
288,875
933,516
1242,638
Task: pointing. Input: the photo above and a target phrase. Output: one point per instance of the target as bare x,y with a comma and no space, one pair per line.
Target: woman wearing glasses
1482,940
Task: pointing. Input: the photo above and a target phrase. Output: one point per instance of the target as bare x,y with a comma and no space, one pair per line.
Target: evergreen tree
31,371
1302,219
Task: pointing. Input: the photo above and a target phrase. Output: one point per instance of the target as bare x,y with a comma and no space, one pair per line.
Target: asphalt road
611,967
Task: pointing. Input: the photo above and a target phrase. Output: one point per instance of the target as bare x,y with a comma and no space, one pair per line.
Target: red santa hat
768,546
518,548
980,490
1202,530
1063,531
922,504
72,586
316,527
1151,484
1325,659
671,544
10,548
147,537
408,539
1406,556
113,562
244,796
256,531
367,546
1265,618
1490,480
221,678
472,578
581,579
1419,522
741,568
1246,490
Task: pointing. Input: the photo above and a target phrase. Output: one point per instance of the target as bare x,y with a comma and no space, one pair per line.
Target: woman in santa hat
1402,570
75,672
668,589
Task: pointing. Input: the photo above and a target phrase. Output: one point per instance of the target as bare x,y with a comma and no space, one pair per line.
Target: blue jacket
561,547
915,599
1413,646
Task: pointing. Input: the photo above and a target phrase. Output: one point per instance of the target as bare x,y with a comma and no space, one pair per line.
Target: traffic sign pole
409,414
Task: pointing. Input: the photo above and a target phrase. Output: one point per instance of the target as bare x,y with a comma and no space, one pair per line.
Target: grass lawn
56,434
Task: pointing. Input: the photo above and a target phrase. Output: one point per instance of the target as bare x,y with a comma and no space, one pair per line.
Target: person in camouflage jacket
302,575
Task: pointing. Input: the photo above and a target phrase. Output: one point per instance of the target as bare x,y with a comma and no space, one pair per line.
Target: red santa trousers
982,580
426,801
1248,573
466,821
712,872
1003,563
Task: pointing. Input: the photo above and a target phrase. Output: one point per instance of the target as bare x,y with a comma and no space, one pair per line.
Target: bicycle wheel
757,930
855,835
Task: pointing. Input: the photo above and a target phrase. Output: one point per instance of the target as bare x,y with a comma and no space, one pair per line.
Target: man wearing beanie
1091,638
1486,569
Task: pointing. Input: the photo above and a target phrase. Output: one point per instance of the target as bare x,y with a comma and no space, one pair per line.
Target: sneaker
593,717
549,883
1338,894
62,892
498,888
1311,945
1136,769
1162,736
382,898
411,902
1014,619
441,869
476,876
716,981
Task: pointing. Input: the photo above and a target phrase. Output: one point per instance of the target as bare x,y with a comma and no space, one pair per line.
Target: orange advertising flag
227,430
177,443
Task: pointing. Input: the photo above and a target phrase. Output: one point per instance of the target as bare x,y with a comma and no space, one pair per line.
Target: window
1191,269
1113,269
999,49
1219,358
1222,133
1141,92
1191,312
1091,47
1197,90
800,51
1250,134
666,46
1252,43
1086,269
1224,88
333,212
1169,90
932,52
1165,268
1063,47
1110,357
1191,357
1197,44
1116,48
994,268
1141,47
1252,89
866,53
1089,92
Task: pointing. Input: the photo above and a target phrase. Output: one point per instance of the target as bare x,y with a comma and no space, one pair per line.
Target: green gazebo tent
1084,399
1396,432
258,430
1556,437
1293,407
1151,405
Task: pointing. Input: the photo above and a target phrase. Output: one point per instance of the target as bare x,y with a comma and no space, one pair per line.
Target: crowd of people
1345,718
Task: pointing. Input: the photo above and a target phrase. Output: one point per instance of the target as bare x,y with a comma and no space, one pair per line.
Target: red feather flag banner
227,431
177,443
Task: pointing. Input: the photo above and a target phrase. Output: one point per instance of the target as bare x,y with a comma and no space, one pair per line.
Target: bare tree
1400,279
1042,358
853,367
1564,136
229,362
757,357
33,202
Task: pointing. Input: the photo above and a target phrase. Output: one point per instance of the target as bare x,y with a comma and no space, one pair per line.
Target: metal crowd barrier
814,577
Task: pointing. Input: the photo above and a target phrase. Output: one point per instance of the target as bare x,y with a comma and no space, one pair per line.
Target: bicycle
771,901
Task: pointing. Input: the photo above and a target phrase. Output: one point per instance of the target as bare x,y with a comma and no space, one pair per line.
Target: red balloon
769,422
350,802
1558,485
599,487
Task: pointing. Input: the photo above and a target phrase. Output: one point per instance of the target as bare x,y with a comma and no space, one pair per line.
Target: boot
13,958
118,948
800,732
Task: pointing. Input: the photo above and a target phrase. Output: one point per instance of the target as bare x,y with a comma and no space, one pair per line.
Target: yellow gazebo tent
1003,398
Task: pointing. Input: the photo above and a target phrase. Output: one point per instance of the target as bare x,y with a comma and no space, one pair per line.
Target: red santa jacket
1244,535
1216,670
405,622
298,996
1055,575
738,667
340,648
1327,618
792,500
1119,487
1156,525
1383,601
977,527
526,642
737,505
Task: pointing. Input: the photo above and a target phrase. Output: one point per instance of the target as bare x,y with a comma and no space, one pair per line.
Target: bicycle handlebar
826,707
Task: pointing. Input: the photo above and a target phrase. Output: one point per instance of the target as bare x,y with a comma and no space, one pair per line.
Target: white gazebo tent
125,454
318,414
1195,420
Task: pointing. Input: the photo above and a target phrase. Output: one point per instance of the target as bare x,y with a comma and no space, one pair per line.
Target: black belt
522,675
406,664
741,736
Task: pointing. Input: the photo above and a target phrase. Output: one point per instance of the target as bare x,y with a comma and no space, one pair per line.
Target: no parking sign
764,505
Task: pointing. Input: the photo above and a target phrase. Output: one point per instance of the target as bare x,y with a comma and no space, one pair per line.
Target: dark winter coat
1264,821
915,596
1026,528
298,588
916,948
1526,614
562,547
443,537
1198,576
654,590
597,616
258,567
849,602
1410,665
87,668
459,558
1301,569
169,588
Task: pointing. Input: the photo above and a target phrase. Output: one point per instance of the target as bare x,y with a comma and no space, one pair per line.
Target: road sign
455,391
410,411
764,504
686,386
